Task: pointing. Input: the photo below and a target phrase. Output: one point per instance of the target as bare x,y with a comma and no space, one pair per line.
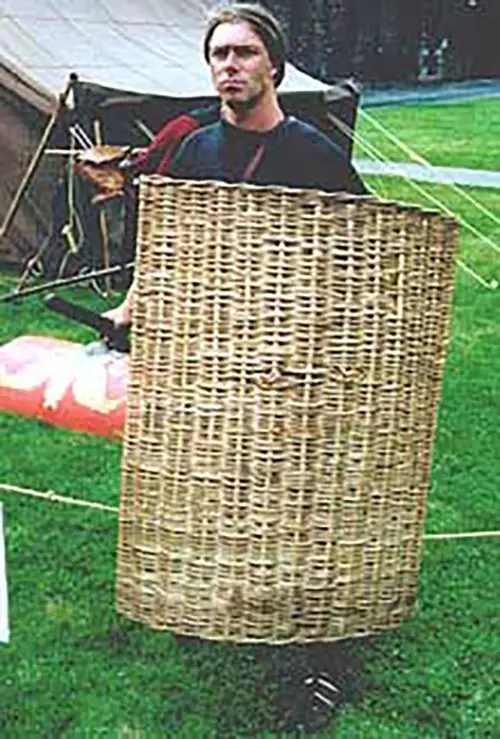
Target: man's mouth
229,85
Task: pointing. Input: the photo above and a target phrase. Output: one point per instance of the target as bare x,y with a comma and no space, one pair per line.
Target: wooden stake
35,160
103,222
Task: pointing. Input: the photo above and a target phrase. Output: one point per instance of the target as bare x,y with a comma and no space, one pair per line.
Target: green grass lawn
465,134
75,669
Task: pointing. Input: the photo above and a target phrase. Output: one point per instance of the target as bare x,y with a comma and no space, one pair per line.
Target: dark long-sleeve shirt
293,154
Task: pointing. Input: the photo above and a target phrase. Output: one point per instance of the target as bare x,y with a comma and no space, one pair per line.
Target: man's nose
231,60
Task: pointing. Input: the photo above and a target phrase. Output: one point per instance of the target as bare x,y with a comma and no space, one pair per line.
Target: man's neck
263,117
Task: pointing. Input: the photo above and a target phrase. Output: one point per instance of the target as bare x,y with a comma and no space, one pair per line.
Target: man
254,140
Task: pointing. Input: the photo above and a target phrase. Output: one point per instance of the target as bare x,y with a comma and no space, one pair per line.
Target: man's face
242,71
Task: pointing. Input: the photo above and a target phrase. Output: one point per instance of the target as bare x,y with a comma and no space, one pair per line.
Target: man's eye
242,52
246,53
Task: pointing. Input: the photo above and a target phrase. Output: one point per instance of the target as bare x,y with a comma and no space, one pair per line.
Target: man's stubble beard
244,106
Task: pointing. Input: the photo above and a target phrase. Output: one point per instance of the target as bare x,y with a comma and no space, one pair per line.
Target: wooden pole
35,160
103,223
65,282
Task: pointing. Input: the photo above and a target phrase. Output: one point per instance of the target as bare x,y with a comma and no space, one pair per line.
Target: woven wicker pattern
286,365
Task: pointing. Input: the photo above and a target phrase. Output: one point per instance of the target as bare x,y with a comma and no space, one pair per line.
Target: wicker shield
286,366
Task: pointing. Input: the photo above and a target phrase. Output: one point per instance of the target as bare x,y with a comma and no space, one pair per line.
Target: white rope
466,535
466,224
491,285
428,166
55,498
377,155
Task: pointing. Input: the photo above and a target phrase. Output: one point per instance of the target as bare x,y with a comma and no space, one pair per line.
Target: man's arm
178,166
122,314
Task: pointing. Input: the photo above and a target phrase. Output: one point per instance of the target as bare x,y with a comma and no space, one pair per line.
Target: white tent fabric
145,46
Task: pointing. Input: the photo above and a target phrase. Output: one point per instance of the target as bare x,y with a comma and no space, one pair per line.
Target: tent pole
35,160
65,282
103,223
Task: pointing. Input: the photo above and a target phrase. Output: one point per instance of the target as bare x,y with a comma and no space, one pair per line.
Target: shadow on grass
311,683
296,689
248,690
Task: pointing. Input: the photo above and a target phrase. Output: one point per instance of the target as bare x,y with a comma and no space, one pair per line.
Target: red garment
156,157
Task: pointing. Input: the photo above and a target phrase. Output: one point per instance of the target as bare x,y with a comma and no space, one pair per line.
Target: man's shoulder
196,152
204,134
299,129
319,161
300,126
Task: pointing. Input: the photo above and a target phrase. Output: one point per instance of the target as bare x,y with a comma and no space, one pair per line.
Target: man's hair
262,22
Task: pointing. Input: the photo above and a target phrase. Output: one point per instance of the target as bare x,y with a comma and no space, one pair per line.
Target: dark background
392,40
